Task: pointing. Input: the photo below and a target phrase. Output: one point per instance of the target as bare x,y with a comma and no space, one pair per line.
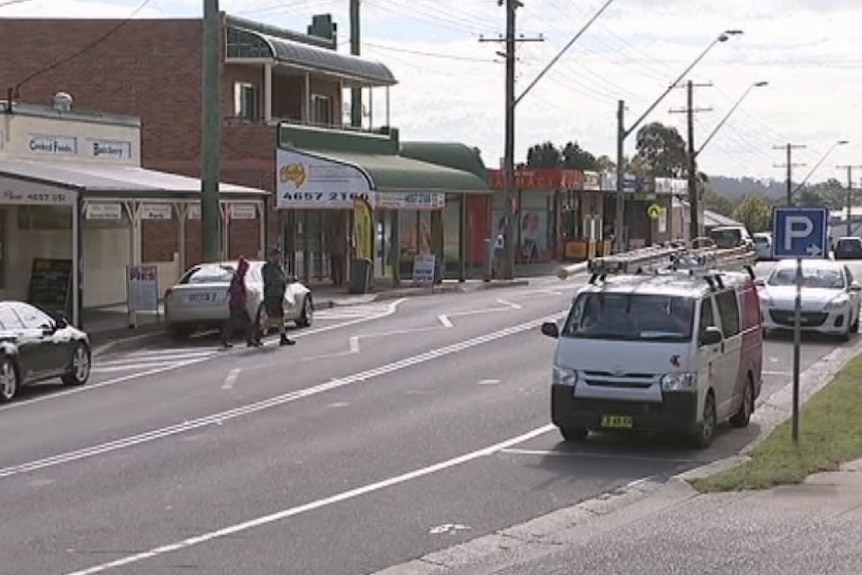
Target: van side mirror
855,287
550,329
711,336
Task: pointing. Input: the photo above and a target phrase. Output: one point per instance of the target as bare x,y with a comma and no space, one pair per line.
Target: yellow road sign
655,211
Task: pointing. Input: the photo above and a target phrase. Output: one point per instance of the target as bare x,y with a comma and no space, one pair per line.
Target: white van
675,353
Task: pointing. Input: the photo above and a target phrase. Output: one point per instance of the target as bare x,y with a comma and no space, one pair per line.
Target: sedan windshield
812,277
212,273
631,317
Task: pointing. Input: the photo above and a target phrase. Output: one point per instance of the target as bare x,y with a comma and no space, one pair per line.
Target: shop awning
96,179
391,173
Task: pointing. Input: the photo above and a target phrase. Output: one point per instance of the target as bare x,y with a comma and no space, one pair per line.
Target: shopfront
418,206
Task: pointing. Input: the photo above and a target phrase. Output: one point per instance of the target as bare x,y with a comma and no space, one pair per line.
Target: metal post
211,132
619,226
77,262
797,344
509,148
693,199
355,93
462,234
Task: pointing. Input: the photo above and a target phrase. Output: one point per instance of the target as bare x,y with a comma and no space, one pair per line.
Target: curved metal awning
243,43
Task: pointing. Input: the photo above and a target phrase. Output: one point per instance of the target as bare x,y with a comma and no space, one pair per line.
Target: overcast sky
451,85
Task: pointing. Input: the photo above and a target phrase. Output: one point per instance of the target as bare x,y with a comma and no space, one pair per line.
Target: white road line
392,308
509,304
313,505
354,344
156,353
444,320
551,453
165,357
778,373
230,380
248,409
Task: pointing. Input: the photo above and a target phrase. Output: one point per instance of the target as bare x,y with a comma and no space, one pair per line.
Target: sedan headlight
679,382
838,302
564,376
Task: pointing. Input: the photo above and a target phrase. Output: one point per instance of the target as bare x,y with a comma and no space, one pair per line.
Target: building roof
448,154
96,179
714,219
245,40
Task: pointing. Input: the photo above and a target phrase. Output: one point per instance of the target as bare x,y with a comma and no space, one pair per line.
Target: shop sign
53,145
243,212
668,186
592,181
308,182
104,212
411,200
35,198
539,179
156,212
111,149
194,212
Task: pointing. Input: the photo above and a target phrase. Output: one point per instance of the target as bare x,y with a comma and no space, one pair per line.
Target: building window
321,109
244,100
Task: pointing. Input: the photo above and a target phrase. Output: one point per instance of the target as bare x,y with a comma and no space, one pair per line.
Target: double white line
220,418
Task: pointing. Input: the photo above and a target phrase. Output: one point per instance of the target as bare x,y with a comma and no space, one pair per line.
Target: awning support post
77,262
133,209
182,214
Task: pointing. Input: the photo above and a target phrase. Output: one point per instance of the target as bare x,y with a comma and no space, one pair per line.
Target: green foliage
661,151
571,156
755,212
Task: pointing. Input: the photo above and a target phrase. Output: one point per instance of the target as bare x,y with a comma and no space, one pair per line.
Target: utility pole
849,200
789,165
693,191
355,93
509,145
211,134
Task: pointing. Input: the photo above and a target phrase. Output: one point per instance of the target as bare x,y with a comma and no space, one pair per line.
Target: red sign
539,179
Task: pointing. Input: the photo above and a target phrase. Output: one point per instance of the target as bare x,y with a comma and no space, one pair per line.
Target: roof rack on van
701,258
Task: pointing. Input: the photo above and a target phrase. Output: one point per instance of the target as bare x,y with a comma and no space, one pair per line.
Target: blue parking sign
800,232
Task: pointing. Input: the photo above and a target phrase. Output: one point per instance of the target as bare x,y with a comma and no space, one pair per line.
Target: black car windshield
812,277
211,273
729,238
631,317
851,245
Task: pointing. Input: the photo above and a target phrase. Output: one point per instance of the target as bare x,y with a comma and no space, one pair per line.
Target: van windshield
726,238
631,317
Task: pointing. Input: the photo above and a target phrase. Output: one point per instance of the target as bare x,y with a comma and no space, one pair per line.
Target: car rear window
212,273
849,245
726,238
761,240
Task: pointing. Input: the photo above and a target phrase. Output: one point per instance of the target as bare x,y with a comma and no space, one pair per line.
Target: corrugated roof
103,179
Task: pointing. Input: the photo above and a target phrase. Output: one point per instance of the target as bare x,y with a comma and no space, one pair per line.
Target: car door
709,370
30,356
727,305
854,294
45,343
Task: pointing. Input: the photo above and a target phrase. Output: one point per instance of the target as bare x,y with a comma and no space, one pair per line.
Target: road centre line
446,321
392,308
313,505
231,378
221,417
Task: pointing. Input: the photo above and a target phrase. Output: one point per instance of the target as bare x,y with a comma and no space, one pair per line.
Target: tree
544,155
717,203
605,164
576,158
662,151
755,212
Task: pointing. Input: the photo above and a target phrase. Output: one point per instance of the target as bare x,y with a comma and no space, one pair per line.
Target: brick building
152,69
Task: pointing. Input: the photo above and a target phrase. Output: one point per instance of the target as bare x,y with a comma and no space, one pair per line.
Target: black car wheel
9,379
80,366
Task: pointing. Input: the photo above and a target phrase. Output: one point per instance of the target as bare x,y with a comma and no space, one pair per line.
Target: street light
695,205
623,132
820,162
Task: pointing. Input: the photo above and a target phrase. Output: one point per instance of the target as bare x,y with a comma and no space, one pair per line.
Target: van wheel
742,417
703,438
574,434
855,327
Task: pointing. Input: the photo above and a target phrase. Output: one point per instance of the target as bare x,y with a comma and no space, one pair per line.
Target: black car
848,248
36,347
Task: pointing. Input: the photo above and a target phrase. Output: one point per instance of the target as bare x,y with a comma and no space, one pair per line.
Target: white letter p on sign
796,227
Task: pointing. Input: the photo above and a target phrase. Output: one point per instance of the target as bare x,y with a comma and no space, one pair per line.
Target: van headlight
679,382
564,376
837,303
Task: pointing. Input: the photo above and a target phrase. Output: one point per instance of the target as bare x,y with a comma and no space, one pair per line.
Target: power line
789,165
431,54
14,90
693,192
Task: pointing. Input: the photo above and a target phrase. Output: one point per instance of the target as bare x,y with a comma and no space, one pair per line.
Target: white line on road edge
313,505
586,455
392,308
231,378
444,320
510,304
220,418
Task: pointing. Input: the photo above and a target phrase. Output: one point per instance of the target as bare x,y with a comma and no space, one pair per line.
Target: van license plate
617,422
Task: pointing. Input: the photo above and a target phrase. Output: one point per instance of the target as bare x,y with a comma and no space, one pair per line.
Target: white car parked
763,245
830,298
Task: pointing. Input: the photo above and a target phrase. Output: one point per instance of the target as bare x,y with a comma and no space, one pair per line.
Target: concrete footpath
665,527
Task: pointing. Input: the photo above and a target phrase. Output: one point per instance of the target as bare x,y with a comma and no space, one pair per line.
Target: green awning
391,173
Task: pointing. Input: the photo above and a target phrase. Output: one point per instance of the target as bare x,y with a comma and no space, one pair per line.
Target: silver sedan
199,300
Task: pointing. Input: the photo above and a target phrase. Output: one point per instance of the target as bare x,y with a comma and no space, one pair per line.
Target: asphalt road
386,433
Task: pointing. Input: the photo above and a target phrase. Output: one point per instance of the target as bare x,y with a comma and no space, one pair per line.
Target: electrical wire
83,50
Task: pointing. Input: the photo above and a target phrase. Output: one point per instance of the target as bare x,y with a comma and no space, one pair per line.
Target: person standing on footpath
238,304
274,288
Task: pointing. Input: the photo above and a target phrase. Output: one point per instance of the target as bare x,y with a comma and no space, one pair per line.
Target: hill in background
735,189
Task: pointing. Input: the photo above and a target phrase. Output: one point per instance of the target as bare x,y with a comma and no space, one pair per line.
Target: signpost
800,233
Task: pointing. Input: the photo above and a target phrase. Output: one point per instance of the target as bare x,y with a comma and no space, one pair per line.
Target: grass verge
830,434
